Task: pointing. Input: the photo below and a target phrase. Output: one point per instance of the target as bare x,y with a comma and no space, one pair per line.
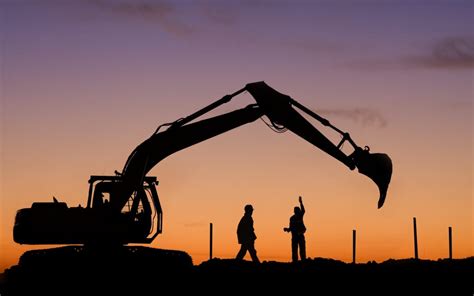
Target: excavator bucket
376,166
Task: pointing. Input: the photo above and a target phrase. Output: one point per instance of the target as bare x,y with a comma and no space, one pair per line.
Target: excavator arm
280,110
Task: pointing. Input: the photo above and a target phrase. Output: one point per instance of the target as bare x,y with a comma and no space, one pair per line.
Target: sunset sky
82,83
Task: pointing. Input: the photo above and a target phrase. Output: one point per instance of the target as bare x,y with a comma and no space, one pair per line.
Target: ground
147,271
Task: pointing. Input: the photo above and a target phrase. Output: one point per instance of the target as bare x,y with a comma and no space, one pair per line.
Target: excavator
124,208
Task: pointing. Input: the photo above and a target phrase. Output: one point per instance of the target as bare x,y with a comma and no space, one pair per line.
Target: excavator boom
279,109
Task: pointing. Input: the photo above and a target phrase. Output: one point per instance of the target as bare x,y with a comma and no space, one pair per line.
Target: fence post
450,231
354,246
210,241
416,238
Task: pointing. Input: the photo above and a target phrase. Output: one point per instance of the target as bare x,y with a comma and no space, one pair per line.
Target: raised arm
301,205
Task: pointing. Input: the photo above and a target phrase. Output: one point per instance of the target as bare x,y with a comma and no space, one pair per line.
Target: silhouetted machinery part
139,221
121,258
376,166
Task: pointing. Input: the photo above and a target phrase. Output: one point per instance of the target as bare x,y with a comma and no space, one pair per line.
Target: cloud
366,117
230,12
312,45
449,53
459,105
172,18
161,12
220,14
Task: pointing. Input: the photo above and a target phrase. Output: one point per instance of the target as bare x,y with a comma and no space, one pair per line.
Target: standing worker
246,235
297,230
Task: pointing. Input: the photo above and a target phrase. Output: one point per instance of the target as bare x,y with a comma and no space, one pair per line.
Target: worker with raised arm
297,229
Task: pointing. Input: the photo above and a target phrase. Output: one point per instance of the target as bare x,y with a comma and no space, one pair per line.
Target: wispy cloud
171,17
459,105
364,116
313,45
449,53
220,14
163,13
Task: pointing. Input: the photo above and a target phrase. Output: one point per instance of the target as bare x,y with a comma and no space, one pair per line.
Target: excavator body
140,221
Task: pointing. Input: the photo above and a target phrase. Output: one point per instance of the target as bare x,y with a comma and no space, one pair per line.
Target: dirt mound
145,271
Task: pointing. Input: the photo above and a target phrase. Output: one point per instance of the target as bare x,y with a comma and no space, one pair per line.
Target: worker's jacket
245,231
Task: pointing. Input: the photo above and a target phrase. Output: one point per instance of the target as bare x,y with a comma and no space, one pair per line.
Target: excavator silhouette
125,208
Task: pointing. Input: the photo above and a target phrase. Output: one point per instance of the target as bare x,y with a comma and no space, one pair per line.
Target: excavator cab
139,221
